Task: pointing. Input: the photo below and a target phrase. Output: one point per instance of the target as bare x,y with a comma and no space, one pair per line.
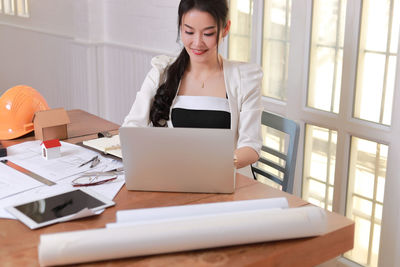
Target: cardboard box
51,124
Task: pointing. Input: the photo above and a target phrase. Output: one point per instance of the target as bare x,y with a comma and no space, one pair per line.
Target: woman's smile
199,52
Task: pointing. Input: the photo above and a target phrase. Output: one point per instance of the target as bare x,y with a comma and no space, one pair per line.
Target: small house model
51,124
51,149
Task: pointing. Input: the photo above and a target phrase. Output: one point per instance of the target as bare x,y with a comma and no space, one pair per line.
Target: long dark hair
159,112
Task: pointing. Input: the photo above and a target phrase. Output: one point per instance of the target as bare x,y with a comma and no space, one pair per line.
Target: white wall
47,15
149,24
135,31
87,54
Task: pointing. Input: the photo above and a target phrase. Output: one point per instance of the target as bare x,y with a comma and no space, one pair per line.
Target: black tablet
57,208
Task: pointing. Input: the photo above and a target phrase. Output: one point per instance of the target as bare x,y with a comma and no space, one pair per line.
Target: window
365,198
9,7
331,65
377,60
273,34
275,47
15,7
240,32
22,8
326,55
319,166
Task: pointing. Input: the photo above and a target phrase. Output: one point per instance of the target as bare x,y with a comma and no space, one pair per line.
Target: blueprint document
16,187
28,155
13,182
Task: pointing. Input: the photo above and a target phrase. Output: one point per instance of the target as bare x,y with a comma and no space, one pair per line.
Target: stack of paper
232,223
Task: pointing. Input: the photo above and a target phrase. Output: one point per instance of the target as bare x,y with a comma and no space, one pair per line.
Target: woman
201,89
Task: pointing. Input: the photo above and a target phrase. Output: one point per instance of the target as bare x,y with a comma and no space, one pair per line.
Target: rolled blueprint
181,234
134,216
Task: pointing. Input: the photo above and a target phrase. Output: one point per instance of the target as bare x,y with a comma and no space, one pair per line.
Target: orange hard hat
17,108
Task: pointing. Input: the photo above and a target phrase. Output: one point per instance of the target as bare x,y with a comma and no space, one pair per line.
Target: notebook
178,159
107,145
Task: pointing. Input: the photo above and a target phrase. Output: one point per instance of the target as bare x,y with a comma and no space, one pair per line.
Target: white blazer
243,86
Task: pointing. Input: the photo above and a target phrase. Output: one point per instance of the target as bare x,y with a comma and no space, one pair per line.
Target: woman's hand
244,156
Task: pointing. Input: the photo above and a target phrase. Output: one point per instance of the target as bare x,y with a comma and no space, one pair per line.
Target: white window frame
296,108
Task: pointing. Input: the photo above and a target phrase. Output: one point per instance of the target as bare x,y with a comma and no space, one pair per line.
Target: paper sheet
181,234
82,214
28,155
13,182
18,188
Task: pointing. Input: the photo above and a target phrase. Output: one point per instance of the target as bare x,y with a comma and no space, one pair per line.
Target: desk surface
19,244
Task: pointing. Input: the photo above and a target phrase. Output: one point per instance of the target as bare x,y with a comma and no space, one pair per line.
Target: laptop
178,159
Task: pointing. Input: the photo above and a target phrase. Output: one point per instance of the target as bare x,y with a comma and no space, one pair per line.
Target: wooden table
18,244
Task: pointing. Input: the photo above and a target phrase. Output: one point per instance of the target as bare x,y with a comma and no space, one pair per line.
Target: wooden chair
288,159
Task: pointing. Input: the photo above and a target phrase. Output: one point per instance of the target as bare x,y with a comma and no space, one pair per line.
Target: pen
95,162
92,159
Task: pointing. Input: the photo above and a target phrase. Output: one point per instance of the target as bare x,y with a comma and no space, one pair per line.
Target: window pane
359,253
365,198
369,92
394,41
319,166
22,8
388,98
326,54
240,32
9,7
276,47
377,60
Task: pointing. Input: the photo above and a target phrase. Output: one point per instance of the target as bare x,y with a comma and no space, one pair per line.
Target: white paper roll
145,215
182,234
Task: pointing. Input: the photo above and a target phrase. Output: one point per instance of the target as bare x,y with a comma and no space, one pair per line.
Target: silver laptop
178,159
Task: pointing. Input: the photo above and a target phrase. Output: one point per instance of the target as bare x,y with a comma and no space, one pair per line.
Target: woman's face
199,35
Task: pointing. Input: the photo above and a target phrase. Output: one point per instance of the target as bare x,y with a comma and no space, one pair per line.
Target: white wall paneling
37,59
123,73
86,54
54,65
100,78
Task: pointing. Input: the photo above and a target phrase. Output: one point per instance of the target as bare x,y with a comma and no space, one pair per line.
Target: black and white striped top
201,112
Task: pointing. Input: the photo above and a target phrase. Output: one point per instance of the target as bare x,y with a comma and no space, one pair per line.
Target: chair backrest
292,130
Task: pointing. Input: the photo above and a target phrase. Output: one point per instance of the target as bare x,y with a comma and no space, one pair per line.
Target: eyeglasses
92,180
